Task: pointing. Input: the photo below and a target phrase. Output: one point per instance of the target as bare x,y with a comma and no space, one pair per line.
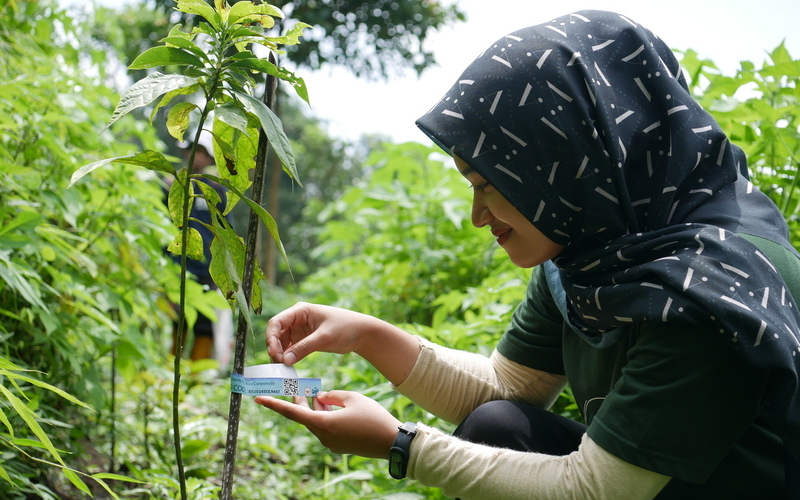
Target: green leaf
176,197
241,12
8,365
5,476
178,119
185,43
273,127
23,281
4,419
209,193
23,222
265,66
147,90
205,29
191,89
194,446
227,259
30,419
233,115
243,36
106,487
76,481
245,54
242,156
194,248
780,54
51,388
164,56
96,315
223,150
116,477
31,443
201,8
176,32
266,218
292,37
266,22
790,68
246,35
148,158
65,242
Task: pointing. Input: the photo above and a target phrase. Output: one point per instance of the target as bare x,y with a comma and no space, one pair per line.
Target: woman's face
526,246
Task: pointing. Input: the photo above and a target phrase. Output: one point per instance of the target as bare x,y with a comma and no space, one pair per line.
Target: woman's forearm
392,351
451,383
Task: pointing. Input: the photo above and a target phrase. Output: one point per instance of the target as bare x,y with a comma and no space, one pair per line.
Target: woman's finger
295,412
335,398
319,406
280,326
275,349
300,400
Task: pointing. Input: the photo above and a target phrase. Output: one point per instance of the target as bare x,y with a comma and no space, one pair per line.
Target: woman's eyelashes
480,187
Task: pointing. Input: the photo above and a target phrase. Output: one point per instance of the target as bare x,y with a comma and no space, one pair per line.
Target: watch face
396,462
398,453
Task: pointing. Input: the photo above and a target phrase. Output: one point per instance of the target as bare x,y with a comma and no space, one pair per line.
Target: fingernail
289,358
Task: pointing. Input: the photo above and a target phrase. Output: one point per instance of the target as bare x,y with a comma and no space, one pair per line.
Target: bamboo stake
247,283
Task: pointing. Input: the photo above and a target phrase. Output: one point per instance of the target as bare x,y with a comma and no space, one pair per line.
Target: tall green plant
219,68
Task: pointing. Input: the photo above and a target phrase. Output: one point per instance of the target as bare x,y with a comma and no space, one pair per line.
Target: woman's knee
521,427
494,423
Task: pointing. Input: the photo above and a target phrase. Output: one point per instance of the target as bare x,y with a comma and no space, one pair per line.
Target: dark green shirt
697,414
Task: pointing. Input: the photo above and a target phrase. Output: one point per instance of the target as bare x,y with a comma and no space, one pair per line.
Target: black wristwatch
398,455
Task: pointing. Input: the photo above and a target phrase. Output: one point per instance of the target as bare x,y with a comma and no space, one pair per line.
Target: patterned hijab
585,124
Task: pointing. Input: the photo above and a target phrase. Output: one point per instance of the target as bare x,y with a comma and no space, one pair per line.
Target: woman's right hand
305,328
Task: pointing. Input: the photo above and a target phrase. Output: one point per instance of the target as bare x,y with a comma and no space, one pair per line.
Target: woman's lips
502,235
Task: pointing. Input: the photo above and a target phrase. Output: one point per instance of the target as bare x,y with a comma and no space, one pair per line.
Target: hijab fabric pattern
585,124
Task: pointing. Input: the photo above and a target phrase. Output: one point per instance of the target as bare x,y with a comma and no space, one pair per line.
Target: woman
663,292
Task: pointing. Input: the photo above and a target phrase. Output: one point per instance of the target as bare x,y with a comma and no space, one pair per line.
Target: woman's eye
480,187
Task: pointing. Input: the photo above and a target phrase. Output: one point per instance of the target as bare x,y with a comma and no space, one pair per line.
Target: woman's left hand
361,427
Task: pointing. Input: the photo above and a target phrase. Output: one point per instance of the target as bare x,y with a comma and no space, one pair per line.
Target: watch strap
401,450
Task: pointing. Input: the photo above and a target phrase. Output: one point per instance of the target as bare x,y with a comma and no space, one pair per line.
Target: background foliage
84,276
80,283
759,109
374,38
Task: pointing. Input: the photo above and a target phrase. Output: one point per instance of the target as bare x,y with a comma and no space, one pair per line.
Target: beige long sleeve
450,384
476,472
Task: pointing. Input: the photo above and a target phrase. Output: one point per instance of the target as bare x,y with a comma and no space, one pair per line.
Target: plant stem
112,467
229,463
179,336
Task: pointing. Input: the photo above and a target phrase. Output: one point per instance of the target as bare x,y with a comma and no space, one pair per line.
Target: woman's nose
480,212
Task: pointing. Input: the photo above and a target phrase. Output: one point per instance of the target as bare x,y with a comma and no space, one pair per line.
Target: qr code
291,387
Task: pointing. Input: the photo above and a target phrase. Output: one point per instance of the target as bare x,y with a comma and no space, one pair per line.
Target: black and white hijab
586,126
